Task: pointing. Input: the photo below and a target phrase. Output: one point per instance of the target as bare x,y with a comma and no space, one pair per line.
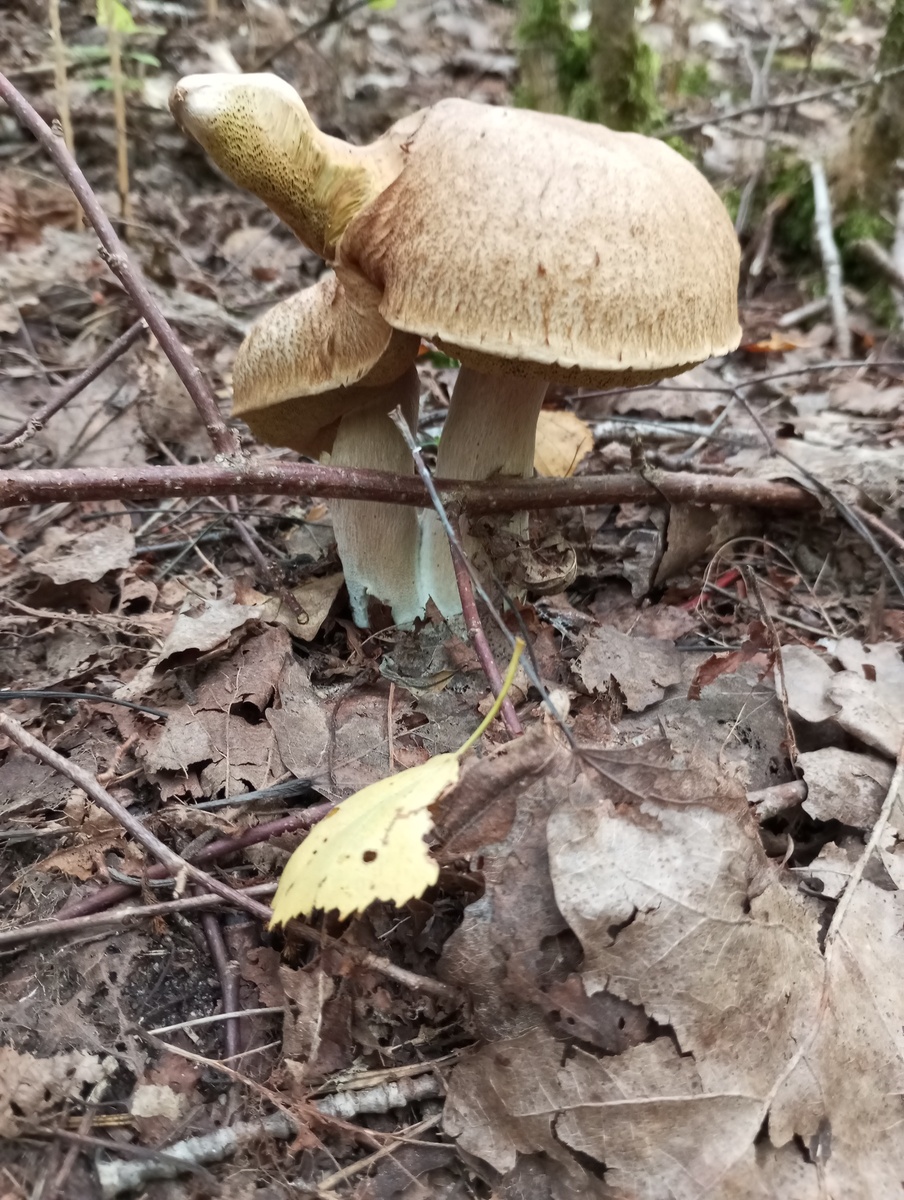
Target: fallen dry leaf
31,1089
844,786
65,557
766,1034
315,597
563,442
863,698
643,668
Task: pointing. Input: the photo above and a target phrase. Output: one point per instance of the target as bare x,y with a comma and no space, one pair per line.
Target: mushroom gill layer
312,359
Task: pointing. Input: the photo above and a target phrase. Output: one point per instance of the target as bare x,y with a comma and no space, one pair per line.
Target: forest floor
666,963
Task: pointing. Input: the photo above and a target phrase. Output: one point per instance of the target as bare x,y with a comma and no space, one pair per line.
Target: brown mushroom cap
312,360
528,243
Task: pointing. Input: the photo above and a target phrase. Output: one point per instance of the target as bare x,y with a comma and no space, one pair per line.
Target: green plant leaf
113,14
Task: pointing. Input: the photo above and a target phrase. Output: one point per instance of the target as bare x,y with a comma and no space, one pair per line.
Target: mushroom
534,248
319,375
321,371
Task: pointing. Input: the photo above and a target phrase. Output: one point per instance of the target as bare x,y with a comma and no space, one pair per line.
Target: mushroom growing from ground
534,248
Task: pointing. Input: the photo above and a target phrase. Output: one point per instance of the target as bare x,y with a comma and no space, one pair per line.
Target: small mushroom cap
536,244
313,359
258,130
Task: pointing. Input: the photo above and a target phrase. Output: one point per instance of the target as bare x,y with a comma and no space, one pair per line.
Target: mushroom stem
378,543
491,430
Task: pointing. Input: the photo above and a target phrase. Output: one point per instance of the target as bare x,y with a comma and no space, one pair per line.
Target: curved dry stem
257,129
491,431
378,543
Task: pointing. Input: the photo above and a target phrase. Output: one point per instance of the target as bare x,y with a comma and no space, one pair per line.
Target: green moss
731,198
858,223
545,32
694,80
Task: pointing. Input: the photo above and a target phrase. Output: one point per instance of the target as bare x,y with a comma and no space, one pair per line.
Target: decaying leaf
642,667
31,1088
67,558
775,1064
863,698
563,442
844,786
315,597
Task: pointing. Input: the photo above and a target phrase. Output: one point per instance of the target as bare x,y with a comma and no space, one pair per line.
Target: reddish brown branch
114,253
478,639
92,922
227,974
115,892
261,477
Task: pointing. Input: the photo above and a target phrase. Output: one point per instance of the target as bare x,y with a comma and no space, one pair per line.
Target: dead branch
121,916
831,259
115,893
870,249
116,257
119,1177
174,862
263,477
36,422
783,102
478,639
227,974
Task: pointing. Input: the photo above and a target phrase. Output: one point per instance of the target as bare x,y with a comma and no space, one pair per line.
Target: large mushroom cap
540,244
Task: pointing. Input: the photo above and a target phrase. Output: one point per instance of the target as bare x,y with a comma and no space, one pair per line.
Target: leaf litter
663,993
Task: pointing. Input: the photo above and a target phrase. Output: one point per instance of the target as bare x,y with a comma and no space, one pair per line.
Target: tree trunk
541,35
618,65
869,171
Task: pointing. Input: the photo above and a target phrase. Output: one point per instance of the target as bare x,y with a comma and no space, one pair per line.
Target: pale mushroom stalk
378,543
490,431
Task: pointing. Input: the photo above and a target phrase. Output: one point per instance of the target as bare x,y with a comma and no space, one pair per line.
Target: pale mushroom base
378,543
490,431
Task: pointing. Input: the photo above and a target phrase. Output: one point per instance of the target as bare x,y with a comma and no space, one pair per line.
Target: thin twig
102,798
261,477
879,526
782,102
227,974
224,440
119,916
848,512
317,26
116,893
215,1018
875,836
455,544
870,249
831,259
478,639
331,1182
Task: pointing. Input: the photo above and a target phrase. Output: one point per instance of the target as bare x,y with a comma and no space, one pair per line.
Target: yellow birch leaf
370,847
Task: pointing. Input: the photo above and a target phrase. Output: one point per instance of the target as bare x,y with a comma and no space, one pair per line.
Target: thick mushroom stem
378,543
491,430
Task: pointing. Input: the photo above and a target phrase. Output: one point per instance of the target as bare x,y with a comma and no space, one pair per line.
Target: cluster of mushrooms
536,249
